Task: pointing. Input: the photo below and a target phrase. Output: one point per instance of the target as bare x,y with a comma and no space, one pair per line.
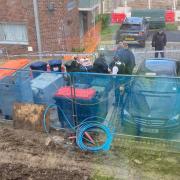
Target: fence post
38,34
149,4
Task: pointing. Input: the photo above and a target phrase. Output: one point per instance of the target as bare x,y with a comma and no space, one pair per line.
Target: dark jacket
126,57
159,41
121,67
72,66
100,65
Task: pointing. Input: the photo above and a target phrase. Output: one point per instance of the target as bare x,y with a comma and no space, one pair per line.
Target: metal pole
149,4
103,5
125,7
174,5
94,15
38,34
73,94
102,8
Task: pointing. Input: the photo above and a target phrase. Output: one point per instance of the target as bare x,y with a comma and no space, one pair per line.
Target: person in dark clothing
100,65
123,63
73,66
119,67
125,56
159,41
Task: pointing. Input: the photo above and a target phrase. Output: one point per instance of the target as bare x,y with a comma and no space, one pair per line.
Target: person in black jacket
126,57
100,65
73,65
159,41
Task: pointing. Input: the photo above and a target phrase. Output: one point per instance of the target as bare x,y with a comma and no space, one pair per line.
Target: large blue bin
55,65
84,107
38,66
44,87
14,88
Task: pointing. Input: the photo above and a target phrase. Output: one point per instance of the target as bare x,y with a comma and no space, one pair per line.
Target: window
13,34
131,27
161,67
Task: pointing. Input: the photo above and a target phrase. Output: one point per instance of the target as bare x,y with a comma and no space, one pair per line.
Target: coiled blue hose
93,125
82,128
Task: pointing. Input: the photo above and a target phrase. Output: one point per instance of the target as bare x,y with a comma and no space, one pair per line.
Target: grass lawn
109,32
171,27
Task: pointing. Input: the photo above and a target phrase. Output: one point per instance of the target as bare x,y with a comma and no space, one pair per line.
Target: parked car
134,30
152,105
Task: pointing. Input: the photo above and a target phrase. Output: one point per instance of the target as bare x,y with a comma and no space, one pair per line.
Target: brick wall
18,11
54,36
59,27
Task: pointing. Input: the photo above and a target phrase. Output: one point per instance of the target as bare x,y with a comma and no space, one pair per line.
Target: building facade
17,26
61,25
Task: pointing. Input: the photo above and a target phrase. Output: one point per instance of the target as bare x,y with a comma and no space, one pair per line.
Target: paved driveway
172,51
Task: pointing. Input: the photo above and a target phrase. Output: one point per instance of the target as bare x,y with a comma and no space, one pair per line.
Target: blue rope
82,128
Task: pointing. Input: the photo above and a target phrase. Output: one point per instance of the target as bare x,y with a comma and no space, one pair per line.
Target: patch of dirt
24,155
23,172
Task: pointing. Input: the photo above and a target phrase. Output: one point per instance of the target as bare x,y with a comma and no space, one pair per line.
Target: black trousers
157,52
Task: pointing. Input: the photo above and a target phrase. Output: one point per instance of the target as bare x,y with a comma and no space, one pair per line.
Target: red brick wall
52,37
59,28
18,11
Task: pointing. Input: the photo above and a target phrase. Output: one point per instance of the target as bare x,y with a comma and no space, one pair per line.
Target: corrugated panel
156,17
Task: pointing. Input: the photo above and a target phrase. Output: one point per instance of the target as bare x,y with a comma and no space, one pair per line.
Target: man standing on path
123,63
126,57
159,41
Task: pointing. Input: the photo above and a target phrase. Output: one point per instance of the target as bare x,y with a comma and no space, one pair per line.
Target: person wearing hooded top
100,65
159,41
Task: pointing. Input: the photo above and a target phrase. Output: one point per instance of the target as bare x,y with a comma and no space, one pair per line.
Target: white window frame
13,42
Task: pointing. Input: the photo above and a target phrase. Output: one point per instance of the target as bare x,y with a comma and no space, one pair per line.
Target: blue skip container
38,66
55,65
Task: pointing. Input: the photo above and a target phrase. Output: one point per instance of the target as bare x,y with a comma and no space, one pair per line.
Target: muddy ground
26,155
